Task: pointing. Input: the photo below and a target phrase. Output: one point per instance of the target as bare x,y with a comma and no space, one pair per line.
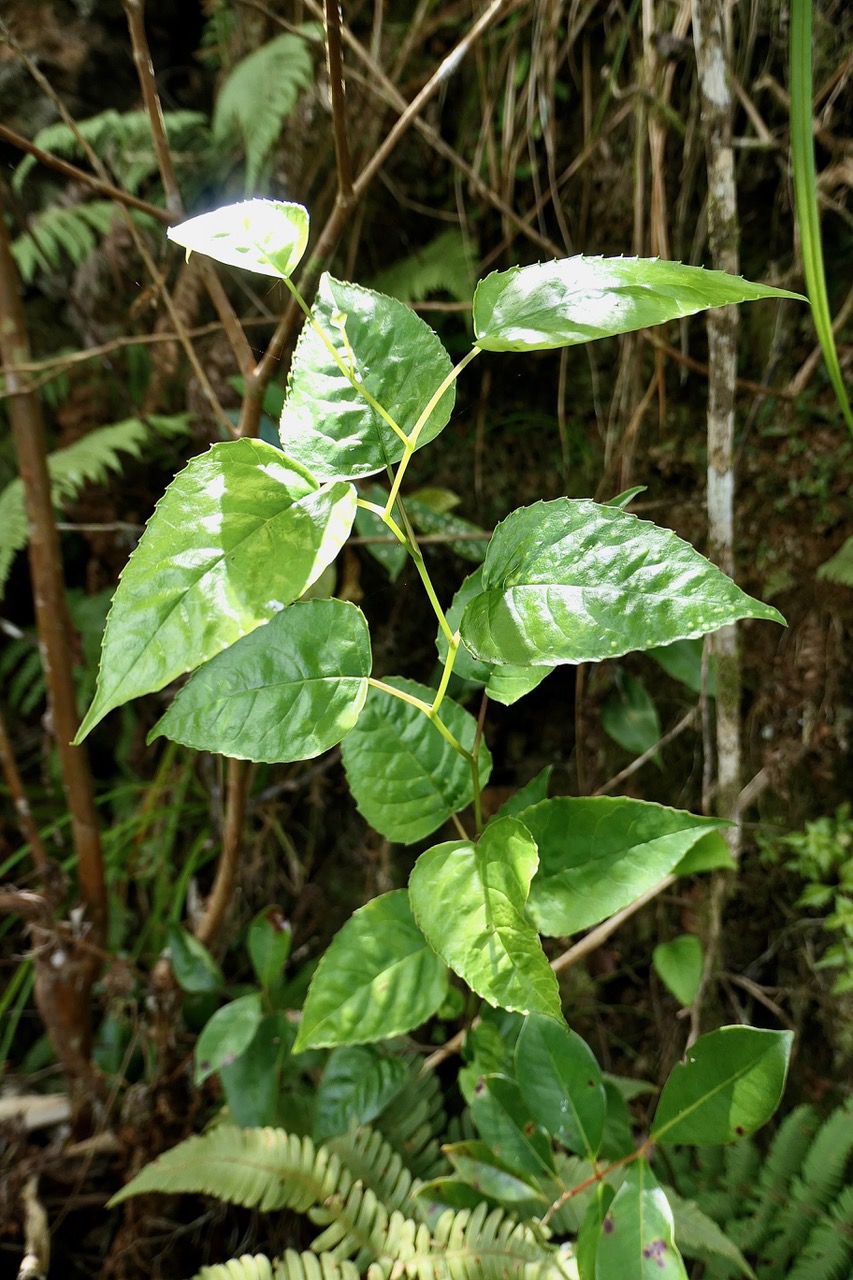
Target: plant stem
412,438
452,650
427,710
23,812
63,990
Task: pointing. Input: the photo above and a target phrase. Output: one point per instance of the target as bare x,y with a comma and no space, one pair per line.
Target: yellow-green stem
428,712
412,438
452,650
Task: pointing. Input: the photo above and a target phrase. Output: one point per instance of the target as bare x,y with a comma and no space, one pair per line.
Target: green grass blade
805,193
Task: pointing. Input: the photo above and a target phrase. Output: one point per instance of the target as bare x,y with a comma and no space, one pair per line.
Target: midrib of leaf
700,1102
381,973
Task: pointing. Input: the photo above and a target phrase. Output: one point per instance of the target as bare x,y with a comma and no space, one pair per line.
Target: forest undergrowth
147,888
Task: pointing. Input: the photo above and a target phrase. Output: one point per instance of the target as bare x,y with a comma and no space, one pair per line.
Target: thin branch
134,10
23,812
138,240
334,57
69,170
684,723
222,893
331,232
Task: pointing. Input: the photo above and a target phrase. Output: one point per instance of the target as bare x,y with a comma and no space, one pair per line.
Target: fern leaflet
122,139
258,95
445,265
839,568
291,1266
72,231
88,460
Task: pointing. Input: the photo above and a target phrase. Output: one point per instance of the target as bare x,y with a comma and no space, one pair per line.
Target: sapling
215,588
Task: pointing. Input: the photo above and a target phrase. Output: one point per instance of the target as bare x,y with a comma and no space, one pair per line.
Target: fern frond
69,230
414,1123
373,1161
291,1266
828,1255
256,1168
355,1225
122,139
472,1245
699,1236
445,265
811,1194
258,95
88,461
785,1158
839,568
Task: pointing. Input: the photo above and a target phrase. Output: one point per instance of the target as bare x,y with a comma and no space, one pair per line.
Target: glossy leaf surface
469,900
505,1122
572,581
288,691
357,1085
240,533
598,854
253,1082
562,1085
327,423
405,777
637,1236
572,300
729,1085
267,236
478,1164
504,684
227,1035
377,979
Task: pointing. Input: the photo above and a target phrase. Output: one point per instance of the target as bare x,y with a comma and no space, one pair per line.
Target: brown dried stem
335,61
23,812
63,991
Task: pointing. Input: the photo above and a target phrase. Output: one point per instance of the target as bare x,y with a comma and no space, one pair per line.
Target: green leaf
267,236
589,1235
357,1085
377,979
597,855
683,661
528,795
239,533
227,1035
679,966
806,197
268,939
469,900
572,300
572,581
637,1239
729,1086
709,853
506,1123
481,1168
253,1082
327,423
288,691
630,717
405,777
699,1236
562,1084
504,684
194,967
